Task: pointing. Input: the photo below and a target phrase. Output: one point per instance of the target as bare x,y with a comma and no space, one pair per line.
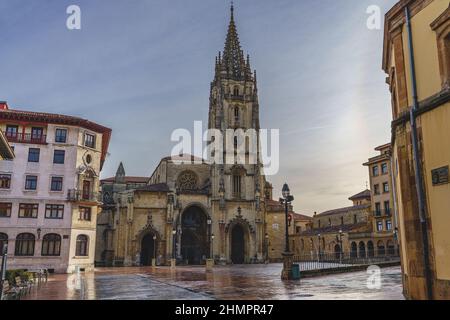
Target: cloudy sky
143,68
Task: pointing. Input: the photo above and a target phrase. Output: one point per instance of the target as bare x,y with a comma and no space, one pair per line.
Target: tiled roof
342,210
128,179
30,116
333,229
362,195
299,216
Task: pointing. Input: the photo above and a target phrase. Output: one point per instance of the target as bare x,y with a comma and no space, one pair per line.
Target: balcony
75,195
25,138
382,213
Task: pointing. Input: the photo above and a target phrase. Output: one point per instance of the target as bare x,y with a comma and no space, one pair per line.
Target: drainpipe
417,162
394,195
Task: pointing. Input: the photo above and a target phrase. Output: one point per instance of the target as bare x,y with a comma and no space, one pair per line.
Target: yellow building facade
416,57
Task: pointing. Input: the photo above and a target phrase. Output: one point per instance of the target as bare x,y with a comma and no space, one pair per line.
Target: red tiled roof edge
43,117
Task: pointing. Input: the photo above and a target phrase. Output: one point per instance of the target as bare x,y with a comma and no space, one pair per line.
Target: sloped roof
128,179
299,216
183,157
362,195
159,187
334,229
343,210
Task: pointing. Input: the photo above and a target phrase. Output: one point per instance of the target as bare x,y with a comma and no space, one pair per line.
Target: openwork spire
233,62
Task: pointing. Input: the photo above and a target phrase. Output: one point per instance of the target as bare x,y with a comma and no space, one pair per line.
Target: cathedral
191,211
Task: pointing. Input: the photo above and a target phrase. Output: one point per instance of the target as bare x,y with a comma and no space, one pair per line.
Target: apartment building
49,194
416,59
381,189
6,152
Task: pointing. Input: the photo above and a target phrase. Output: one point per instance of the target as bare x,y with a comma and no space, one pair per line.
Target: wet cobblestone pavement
252,282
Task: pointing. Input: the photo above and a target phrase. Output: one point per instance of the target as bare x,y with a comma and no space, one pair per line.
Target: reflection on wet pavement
246,282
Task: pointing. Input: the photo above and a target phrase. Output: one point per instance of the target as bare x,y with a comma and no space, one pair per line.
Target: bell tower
234,105
237,206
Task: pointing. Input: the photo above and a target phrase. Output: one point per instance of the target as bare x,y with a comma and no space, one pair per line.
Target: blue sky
143,68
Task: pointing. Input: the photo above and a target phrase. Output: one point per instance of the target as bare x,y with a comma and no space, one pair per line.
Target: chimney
3,105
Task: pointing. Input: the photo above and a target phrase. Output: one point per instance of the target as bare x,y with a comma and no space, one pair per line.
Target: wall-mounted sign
439,176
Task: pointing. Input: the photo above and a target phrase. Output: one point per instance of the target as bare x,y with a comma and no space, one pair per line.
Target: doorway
237,245
194,236
147,250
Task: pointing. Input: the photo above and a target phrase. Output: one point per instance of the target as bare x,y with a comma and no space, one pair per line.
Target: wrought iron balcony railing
81,195
382,213
26,137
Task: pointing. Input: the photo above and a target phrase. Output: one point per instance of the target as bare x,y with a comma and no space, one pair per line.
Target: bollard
209,264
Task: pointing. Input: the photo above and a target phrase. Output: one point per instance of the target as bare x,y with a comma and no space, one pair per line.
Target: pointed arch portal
237,244
147,249
194,235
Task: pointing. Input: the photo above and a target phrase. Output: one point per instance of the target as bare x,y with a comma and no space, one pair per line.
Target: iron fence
326,260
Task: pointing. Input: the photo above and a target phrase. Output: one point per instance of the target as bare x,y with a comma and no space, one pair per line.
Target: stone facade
193,209
348,230
423,234
381,185
276,229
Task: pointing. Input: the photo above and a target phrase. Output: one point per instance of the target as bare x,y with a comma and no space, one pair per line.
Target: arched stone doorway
354,250
362,250
370,249
147,249
194,236
237,244
390,248
381,249
337,251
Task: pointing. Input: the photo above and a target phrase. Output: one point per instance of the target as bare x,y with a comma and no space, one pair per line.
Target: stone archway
354,250
243,237
362,250
370,249
194,235
237,244
148,249
337,251
381,251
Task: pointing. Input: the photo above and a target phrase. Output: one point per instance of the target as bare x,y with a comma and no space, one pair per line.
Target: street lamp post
174,261
154,251
4,253
340,246
266,237
318,253
287,255
396,241
212,247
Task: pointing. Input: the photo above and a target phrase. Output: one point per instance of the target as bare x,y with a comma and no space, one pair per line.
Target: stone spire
233,64
120,174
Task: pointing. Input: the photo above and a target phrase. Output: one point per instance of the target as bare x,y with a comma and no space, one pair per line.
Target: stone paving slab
245,282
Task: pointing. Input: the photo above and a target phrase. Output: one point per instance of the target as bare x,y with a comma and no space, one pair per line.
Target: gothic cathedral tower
236,188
